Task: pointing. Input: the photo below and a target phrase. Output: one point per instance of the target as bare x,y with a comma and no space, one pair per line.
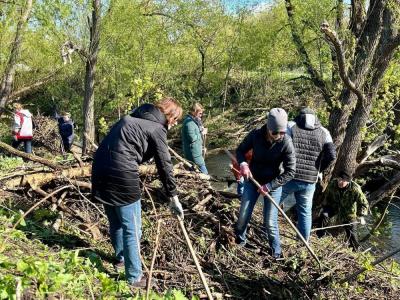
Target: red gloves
266,188
245,170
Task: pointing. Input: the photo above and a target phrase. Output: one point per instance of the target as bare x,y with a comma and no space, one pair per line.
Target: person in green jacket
345,201
193,134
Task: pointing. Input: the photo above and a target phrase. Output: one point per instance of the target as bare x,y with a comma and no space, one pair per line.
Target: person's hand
319,177
176,207
266,188
362,221
205,130
245,170
204,151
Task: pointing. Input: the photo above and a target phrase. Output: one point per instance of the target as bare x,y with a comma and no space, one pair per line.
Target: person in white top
22,129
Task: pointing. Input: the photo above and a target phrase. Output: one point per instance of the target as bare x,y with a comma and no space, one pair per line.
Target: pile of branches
231,271
46,133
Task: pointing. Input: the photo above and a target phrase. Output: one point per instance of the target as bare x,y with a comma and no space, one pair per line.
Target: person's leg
28,146
15,144
287,191
115,232
249,199
304,196
203,169
271,226
324,220
240,187
351,235
130,217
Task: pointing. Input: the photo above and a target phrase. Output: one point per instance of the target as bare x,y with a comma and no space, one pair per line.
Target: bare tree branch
375,145
391,161
315,76
331,36
357,17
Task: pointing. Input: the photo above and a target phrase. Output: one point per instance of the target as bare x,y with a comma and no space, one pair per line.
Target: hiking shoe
141,284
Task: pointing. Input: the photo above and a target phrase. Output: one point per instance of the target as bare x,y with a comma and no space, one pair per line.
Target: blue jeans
27,145
240,186
126,232
203,169
303,194
270,214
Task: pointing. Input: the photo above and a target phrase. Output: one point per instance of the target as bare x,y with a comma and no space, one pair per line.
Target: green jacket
192,141
348,203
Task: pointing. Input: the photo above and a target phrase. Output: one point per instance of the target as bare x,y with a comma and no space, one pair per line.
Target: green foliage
9,163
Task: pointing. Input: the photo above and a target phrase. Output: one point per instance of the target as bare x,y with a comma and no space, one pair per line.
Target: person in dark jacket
193,133
273,164
315,151
133,140
66,130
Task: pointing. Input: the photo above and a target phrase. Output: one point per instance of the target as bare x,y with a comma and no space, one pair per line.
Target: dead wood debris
231,271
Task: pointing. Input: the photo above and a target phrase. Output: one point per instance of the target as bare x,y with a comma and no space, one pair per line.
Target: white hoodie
22,127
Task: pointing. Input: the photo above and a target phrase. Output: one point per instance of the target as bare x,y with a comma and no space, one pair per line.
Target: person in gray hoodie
315,151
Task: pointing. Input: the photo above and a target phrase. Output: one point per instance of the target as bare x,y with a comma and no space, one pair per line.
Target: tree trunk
9,72
88,108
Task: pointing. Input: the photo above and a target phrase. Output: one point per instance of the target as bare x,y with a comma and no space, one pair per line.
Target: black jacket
268,158
131,141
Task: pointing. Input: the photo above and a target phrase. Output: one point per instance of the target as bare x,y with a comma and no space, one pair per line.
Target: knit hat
345,176
277,120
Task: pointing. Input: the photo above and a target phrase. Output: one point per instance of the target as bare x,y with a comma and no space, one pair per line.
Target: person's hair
65,114
17,106
196,107
170,108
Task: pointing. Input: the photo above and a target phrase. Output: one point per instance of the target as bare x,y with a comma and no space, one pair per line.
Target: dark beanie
345,175
277,120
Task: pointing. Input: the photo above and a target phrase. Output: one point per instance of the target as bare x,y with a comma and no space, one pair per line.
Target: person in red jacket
235,168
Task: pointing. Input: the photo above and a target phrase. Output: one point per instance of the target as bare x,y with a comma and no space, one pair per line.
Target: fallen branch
362,270
30,157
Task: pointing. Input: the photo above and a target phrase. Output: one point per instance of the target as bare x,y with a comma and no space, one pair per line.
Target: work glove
205,131
319,177
176,207
362,221
245,170
266,188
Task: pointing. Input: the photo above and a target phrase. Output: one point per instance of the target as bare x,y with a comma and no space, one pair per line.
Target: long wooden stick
268,196
379,260
189,243
334,226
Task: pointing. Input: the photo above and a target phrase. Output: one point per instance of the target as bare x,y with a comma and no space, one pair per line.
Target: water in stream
218,165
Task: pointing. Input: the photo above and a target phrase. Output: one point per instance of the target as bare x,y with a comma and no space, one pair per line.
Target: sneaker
119,266
278,256
141,284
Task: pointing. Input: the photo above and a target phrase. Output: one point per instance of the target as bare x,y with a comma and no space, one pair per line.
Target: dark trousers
27,145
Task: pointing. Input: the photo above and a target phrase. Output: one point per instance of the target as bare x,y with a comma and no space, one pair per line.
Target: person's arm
163,162
362,202
244,147
289,166
328,151
192,132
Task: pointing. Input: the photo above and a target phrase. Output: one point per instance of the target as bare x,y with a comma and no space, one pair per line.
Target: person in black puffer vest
273,164
315,151
133,140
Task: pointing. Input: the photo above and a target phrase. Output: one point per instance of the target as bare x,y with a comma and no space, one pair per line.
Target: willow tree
361,54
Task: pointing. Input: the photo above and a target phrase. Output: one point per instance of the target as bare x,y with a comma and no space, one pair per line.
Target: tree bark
9,73
88,108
